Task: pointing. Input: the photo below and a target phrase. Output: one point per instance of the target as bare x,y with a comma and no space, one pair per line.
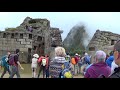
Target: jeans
5,70
41,68
14,70
47,73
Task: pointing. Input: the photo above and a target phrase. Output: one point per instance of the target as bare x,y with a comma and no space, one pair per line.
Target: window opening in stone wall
91,48
4,35
112,42
30,36
12,35
21,36
16,34
39,38
34,48
39,45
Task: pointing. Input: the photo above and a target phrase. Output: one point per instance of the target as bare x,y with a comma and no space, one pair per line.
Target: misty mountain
77,38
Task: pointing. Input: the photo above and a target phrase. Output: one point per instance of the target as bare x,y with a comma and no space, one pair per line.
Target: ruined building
101,40
41,39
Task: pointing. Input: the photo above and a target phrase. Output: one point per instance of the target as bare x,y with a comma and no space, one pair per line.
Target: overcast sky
107,21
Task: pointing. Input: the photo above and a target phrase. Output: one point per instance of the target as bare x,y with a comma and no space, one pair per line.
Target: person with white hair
34,65
99,68
58,63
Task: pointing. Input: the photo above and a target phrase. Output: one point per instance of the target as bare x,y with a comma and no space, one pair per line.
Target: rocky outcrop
76,38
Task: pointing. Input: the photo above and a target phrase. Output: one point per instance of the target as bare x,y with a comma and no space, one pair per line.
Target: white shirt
34,63
113,66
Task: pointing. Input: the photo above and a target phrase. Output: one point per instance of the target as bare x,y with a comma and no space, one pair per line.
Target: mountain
77,39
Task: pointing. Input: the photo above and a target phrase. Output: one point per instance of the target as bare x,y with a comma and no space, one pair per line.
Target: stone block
28,40
23,49
22,40
28,46
113,38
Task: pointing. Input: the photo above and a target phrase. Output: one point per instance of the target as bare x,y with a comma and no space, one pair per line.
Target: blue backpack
87,59
3,61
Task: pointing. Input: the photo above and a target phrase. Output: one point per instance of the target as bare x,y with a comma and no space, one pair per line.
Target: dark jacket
116,74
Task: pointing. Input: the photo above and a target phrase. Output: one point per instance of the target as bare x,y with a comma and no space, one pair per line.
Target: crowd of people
65,66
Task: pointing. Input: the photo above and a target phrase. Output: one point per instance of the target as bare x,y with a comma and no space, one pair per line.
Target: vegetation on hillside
10,29
76,44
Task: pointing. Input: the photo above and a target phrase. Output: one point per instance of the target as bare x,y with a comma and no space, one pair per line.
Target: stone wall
38,41
101,40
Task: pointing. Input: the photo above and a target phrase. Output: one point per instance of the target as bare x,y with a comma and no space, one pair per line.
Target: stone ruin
41,40
101,40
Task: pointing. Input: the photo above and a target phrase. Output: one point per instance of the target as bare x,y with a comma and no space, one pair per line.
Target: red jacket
40,60
76,59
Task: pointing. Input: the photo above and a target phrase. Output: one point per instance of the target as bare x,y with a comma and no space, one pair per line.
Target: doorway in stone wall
29,55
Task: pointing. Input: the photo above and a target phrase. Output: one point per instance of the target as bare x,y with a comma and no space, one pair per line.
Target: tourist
76,67
116,73
113,66
79,64
110,59
57,64
99,68
14,64
47,65
42,65
5,64
34,65
67,57
87,58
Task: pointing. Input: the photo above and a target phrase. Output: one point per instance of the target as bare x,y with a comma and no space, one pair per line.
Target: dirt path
29,76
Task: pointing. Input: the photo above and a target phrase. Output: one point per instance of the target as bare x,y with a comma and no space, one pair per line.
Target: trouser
41,68
5,70
47,73
76,69
14,70
79,65
88,62
34,72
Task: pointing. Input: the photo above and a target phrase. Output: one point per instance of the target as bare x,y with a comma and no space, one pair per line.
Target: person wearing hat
34,65
76,67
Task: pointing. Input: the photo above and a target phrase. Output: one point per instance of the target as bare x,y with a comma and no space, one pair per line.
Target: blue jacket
109,61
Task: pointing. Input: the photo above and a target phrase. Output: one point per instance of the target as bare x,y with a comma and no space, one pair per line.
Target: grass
27,72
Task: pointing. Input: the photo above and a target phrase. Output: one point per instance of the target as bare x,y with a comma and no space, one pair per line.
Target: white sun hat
36,55
76,54
86,54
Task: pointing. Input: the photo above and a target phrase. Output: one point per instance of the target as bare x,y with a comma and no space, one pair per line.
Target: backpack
44,62
67,58
87,59
66,73
73,61
11,59
3,61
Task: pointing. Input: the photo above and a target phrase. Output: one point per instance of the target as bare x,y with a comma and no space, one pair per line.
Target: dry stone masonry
101,40
41,40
